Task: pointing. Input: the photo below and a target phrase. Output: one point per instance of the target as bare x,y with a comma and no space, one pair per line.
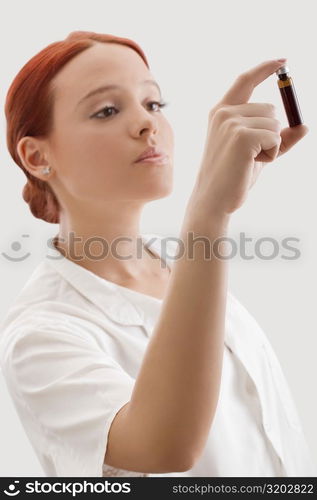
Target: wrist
205,216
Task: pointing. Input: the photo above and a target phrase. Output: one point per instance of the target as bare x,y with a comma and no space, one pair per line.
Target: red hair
29,108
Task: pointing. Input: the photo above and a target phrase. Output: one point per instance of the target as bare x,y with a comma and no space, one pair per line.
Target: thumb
290,136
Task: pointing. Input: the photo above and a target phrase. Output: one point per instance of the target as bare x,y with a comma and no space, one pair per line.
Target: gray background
195,50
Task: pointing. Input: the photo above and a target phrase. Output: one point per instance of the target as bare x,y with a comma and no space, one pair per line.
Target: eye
160,104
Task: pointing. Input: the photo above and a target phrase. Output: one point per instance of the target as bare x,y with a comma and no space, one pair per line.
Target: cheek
89,162
104,149
86,153
93,146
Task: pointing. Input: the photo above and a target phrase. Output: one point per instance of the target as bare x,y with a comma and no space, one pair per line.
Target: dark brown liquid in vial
290,101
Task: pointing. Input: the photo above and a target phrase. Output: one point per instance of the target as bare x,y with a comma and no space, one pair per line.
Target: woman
136,365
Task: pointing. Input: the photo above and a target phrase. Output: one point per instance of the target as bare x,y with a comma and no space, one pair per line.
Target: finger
290,136
266,144
265,109
261,122
242,89
268,155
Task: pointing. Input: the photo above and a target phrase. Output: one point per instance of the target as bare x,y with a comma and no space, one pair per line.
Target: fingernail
283,59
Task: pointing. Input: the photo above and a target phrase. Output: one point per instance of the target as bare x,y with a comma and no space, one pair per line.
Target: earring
46,170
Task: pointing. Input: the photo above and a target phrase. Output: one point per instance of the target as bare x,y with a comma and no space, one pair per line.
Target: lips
151,153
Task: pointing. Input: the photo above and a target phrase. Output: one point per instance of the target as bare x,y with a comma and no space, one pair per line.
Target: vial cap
282,70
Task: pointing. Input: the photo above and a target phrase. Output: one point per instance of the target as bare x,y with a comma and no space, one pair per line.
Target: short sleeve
70,390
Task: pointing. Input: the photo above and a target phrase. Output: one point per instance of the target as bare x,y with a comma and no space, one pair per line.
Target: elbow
180,463
186,465
181,458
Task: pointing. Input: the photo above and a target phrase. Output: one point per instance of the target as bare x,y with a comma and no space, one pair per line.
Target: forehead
102,63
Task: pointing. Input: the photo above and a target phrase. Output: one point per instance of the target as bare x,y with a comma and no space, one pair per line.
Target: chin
162,192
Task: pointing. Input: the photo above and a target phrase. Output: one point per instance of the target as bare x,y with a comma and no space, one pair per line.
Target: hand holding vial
241,137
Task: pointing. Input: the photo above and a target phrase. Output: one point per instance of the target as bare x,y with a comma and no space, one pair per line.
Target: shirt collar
114,300
121,304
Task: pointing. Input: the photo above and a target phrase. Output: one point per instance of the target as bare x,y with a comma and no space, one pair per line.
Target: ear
31,151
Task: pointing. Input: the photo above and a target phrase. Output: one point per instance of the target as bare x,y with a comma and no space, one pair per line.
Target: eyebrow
105,88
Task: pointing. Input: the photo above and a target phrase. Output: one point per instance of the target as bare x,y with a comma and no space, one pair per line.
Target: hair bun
42,201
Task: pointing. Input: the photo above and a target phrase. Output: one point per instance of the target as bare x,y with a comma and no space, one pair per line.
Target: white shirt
71,346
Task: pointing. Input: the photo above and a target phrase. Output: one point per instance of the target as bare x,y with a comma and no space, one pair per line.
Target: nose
144,123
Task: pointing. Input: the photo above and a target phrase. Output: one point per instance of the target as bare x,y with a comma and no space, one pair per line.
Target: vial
289,97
